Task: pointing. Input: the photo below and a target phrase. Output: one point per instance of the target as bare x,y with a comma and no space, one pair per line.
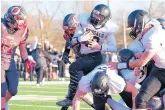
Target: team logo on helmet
15,11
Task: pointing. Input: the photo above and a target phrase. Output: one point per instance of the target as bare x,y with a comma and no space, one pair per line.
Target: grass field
30,97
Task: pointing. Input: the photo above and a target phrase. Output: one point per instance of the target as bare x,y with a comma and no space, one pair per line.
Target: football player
102,82
91,35
70,25
151,35
14,33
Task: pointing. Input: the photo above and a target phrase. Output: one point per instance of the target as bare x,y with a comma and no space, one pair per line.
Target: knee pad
13,91
3,89
140,101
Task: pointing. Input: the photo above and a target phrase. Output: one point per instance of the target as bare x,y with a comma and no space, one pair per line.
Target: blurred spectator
49,69
61,66
46,45
40,56
54,67
30,48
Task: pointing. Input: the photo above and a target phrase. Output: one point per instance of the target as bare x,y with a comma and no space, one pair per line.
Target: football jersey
76,47
116,82
154,40
9,42
100,35
136,47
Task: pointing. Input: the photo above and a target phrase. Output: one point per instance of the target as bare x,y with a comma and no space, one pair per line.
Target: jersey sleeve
110,37
84,83
111,43
151,44
79,32
25,36
22,45
136,47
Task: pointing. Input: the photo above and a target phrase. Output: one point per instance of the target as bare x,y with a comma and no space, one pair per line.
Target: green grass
54,90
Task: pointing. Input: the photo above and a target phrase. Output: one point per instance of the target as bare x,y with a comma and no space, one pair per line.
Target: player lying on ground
102,82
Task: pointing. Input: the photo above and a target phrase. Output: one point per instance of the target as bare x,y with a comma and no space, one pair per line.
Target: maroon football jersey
9,42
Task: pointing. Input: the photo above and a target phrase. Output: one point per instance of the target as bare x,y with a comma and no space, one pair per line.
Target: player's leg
3,89
148,89
99,102
12,78
116,105
127,97
85,64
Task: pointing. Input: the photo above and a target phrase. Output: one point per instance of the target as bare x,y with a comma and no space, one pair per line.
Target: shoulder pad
111,27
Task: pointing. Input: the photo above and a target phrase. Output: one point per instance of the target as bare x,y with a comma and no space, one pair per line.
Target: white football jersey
136,47
100,35
116,82
154,40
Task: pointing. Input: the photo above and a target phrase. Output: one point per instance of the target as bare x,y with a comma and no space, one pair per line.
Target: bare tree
156,8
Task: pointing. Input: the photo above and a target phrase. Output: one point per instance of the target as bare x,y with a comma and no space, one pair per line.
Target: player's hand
112,65
137,71
65,58
138,55
30,64
94,45
86,37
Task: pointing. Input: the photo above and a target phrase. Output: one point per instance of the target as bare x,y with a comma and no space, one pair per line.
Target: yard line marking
43,106
36,97
43,87
47,82
41,92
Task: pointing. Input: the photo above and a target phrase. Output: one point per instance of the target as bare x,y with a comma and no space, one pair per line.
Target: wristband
123,65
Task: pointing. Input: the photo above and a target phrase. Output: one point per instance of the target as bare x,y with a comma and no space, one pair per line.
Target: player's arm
83,89
111,43
151,48
132,89
22,47
30,64
67,48
76,100
144,59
